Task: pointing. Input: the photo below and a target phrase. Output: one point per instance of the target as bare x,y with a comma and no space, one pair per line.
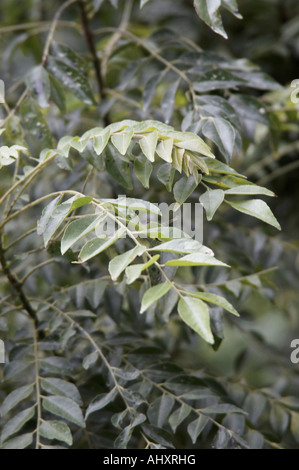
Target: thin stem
31,173
38,266
96,62
37,387
117,34
16,285
279,172
52,30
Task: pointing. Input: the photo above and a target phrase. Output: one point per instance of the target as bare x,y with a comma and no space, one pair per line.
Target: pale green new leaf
211,200
118,264
214,299
134,271
250,189
164,149
183,245
196,259
148,145
195,313
256,208
122,141
100,141
153,294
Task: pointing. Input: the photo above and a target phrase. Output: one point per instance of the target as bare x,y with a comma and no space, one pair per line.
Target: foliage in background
131,341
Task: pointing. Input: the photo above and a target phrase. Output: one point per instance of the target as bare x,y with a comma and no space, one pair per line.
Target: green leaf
153,294
222,133
222,409
122,141
214,299
196,427
190,141
118,264
164,149
254,405
150,89
15,397
168,101
16,423
78,229
295,426
215,166
71,78
279,419
211,200
165,174
182,245
196,259
61,387
100,141
118,168
208,11
256,208
90,359
250,189
52,217
160,409
148,145
134,271
143,2
178,416
64,407
97,245
219,79
56,430
55,365
195,313
20,442
232,7
143,170
160,436
183,188
34,121
100,401
38,83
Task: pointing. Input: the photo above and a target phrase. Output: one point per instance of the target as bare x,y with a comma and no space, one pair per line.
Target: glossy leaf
222,133
39,84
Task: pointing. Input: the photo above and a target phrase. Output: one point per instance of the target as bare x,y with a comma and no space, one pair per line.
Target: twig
96,62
